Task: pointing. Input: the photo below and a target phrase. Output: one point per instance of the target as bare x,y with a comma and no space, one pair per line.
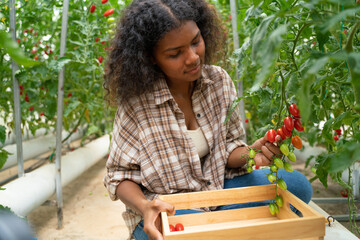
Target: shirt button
198,115
208,183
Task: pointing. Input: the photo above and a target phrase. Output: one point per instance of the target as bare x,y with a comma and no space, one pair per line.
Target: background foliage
307,53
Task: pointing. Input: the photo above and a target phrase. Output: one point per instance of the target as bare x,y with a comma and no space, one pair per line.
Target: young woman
170,134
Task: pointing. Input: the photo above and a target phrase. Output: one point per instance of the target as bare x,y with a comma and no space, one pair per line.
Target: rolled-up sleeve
124,153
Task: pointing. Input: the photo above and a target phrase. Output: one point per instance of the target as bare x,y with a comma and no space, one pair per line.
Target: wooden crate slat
220,216
220,197
279,230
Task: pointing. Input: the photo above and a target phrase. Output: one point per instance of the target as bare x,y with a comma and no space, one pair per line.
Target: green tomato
288,167
292,157
252,153
274,168
279,163
111,20
279,200
271,178
249,169
272,208
276,208
251,162
284,149
282,184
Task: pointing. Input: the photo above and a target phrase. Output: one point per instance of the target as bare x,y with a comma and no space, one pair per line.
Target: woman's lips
194,70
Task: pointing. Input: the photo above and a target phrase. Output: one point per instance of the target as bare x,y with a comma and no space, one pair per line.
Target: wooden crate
244,223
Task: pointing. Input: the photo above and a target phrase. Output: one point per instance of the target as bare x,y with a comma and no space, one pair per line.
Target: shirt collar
162,92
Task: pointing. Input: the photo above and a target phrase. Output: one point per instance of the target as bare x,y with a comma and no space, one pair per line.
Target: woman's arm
131,195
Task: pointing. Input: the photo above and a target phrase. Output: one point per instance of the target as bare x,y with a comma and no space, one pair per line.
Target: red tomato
344,193
41,114
179,227
172,228
271,134
285,131
293,109
69,94
336,138
104,1
297,125
289,123
296,141
31,108
281,133
246,120
92,8
338,131
100,59
108,12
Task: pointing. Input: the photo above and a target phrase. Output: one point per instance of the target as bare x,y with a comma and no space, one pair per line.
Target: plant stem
295,42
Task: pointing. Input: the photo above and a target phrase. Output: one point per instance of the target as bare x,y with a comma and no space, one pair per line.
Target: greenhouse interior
100,103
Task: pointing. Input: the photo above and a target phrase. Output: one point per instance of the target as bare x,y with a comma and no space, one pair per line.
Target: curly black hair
129,68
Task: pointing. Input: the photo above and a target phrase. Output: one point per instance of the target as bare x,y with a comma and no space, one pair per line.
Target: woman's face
180,54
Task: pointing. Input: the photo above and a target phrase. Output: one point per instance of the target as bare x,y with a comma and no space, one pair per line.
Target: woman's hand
267,150
152,220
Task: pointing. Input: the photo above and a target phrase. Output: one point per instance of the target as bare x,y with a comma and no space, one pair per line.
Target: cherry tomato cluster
286,130
337,133
251,161
178,227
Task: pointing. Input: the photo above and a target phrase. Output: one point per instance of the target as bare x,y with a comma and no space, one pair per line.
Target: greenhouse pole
60,115
17,112
236,46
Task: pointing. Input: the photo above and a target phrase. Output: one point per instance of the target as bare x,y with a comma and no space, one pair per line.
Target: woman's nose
192,57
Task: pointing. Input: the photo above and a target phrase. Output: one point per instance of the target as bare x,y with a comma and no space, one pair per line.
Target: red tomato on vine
293,109
285,131
296,141
336,138
281,133
271,134
92,8
289,123
108,12
297,125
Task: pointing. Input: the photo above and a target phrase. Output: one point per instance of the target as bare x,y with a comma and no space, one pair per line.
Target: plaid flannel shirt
150,145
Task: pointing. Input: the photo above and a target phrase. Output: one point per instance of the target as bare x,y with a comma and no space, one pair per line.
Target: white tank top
200,142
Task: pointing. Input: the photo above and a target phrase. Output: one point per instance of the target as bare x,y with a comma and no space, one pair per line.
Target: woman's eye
196,42
174,55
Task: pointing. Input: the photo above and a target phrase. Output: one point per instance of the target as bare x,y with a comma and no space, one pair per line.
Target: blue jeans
296,182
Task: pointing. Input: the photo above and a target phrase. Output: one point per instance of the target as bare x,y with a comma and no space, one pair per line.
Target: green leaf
57,65
2,134
14,51
336,19
3,157
345,157
71,107
269,55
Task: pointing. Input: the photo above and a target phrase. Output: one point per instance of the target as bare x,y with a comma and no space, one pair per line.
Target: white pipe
307,151
30,191
11,138
35,147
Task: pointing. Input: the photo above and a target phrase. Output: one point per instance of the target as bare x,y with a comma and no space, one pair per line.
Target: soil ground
90,214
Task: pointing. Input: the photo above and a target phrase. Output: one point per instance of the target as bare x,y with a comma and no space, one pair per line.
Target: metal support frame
16,91
233,10
59,119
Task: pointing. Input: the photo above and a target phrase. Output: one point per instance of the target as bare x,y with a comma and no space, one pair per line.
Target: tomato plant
304,53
